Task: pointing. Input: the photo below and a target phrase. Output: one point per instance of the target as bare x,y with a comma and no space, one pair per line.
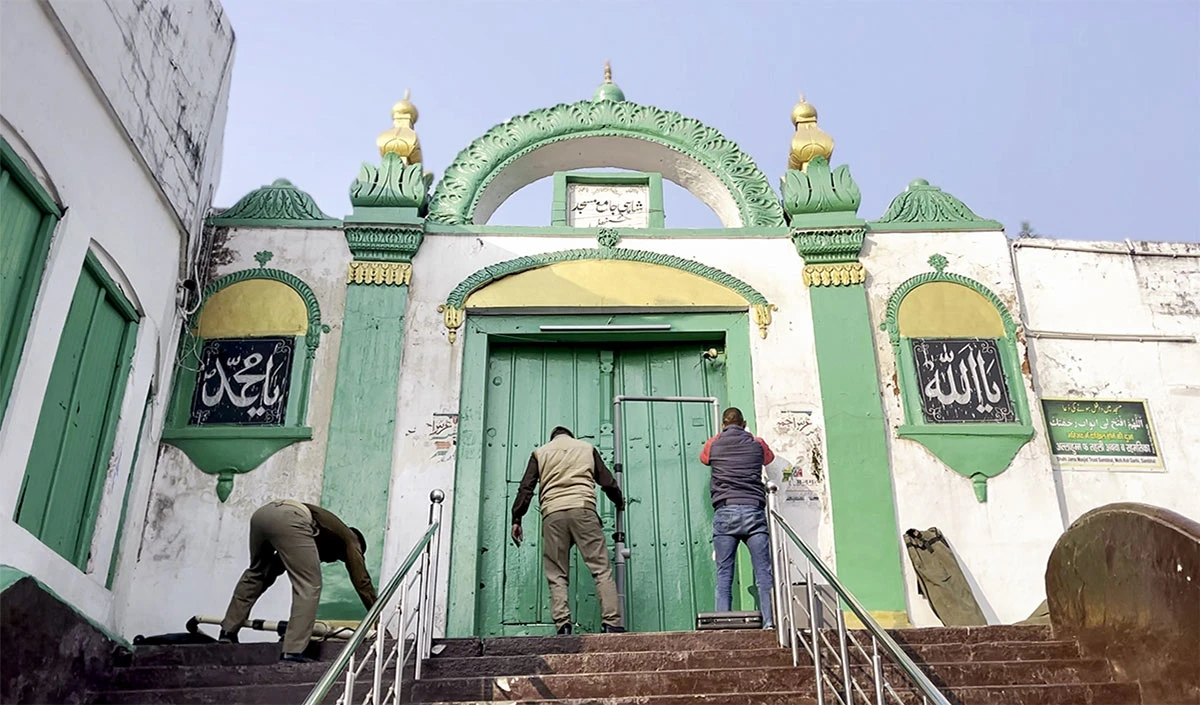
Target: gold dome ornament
810,140
402,140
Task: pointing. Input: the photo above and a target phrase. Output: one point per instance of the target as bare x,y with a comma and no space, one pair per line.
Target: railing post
877,671
423,592
793,631
813,626
436,497
779,581
348,694
846,686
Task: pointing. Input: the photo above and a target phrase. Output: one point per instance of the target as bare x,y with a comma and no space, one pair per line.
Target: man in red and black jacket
739,507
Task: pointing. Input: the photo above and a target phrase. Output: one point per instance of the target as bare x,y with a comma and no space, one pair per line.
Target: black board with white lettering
243,381
961,381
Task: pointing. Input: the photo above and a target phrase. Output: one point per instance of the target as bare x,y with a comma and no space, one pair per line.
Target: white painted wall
164,69
192,546
1002,544
61,122
1115,293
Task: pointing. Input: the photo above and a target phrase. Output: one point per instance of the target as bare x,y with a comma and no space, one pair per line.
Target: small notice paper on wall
1101,434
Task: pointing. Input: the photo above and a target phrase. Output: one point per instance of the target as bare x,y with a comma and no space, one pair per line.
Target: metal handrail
880,638
425,550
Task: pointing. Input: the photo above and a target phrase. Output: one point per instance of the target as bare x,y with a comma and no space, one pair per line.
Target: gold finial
607,71
810,140
402,140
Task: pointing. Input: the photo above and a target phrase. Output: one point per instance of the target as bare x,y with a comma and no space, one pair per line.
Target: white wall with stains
1002,544
1107,294
192,546
64,111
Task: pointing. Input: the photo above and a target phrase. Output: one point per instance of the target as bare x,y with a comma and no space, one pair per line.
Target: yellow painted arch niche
948,310
605,284
253,308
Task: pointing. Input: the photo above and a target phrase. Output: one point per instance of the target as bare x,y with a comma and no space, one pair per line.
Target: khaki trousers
281,533
577,527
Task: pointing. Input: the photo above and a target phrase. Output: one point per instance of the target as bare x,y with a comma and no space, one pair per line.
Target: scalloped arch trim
458,193
491,273
312,336
891,322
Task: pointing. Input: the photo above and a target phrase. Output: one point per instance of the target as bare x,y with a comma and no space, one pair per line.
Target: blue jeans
731,524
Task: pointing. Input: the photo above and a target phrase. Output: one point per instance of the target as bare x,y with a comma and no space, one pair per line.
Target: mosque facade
912,369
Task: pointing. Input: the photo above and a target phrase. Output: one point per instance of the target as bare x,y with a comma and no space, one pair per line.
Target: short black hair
560,430
732,417
362,541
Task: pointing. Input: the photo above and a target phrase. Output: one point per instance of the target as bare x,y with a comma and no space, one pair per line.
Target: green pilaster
866,538
384,233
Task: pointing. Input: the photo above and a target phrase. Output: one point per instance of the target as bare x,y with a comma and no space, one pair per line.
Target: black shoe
295,658
227,637
612,629
565,629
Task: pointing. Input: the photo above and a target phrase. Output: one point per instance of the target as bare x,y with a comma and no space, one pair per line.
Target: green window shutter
27,219
73,442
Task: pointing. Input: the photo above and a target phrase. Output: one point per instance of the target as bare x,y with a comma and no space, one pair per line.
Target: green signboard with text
1091,432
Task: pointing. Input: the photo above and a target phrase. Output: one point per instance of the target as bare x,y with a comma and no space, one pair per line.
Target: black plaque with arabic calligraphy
961,380
243,381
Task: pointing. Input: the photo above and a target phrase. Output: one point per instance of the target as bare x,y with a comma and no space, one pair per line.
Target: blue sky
1080,117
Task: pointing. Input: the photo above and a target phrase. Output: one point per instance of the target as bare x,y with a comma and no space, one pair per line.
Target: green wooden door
530,390
671,574
74,436
27,218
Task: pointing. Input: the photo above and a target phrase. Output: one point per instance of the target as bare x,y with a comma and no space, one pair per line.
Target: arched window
245,365
959,371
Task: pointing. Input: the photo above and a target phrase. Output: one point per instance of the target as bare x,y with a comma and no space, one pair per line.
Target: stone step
966,635
259,653
588,643
1079,694
1004,651
779,698
157,677
246,694
602,685
1066,694
605,662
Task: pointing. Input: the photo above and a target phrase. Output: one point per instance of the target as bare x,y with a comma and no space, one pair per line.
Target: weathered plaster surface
164,68
1002,544
1115,293
61,122
193,546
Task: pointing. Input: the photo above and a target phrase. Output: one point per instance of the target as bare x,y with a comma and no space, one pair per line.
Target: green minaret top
608,90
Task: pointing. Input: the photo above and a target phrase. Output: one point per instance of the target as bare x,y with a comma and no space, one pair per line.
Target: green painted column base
358,459
866,537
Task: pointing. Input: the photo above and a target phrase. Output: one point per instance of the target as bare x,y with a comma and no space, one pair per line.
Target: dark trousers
577,527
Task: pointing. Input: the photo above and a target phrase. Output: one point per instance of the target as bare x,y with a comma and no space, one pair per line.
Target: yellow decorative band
762,317
453,318
843,274
387,273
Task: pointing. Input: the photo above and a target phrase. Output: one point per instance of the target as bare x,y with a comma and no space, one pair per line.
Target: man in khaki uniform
287,535
569,470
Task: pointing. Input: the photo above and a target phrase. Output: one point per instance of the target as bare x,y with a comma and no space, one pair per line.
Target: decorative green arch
458,193
452,310
315,328
487,275
978,451
891,323
227,451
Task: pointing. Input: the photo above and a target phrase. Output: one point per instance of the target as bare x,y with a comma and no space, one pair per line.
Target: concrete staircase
983,665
